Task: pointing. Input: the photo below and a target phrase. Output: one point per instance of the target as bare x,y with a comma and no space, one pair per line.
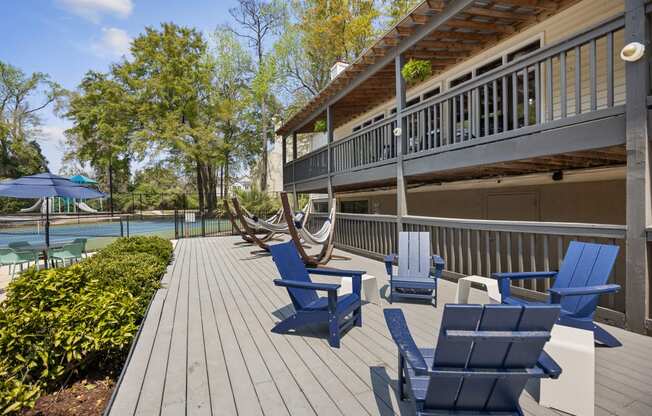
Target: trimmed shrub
61,322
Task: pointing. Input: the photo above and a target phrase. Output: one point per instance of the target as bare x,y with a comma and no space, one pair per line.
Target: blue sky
66,38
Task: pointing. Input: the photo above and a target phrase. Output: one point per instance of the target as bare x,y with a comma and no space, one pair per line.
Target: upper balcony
560,107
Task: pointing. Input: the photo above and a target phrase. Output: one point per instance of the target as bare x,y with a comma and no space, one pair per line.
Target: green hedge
61,322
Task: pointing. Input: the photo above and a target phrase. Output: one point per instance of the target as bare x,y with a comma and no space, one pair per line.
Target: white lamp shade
632,52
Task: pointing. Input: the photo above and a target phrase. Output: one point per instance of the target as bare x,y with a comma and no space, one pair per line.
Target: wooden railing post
329,139
638,171
401,196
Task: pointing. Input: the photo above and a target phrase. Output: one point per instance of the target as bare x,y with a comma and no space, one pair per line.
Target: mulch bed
86,397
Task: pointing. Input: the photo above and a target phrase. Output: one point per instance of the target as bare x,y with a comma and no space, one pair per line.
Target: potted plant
416,70
320,126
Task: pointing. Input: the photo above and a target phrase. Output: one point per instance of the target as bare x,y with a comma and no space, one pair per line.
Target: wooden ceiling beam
444,34
535,4
472,24
498,14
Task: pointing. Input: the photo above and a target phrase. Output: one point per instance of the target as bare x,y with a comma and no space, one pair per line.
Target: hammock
323,237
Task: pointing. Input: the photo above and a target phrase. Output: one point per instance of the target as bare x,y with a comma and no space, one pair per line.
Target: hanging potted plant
416,70
320,126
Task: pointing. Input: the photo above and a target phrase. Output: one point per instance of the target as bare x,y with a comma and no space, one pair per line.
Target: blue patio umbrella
46,185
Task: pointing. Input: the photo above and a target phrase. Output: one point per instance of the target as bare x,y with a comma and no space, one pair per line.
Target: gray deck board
205,348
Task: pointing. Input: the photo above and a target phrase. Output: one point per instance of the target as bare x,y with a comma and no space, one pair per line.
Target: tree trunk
226,178
263,116
200,186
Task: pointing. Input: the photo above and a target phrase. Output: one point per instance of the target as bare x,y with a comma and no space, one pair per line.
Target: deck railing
577,77
483,247
373,145
573,81
312,165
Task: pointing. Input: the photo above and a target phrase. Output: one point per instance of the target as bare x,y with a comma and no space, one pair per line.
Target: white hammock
322,235
271,224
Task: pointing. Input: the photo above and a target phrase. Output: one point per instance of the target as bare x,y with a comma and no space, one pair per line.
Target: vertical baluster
423,131
469,255
546,260
533,260
486,110
560,251
460,252
462,118
494,97
537,94
505,106
515,100
526,97
475,109
508,251
487,253
437,248
478,253
563,95
578,80
445,247
497,249
593,75
519,245
610,69
454,138
452,250
549,97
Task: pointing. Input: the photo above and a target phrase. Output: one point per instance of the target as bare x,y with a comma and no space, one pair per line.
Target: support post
401,195
294,146
329,139
285,151
638,172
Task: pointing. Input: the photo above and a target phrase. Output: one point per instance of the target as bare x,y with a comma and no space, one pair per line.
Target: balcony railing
573,81
483,247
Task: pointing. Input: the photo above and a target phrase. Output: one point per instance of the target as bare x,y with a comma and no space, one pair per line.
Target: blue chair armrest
406,346
556,294
523,275
307,285
389,262
439,266
336,272
549,365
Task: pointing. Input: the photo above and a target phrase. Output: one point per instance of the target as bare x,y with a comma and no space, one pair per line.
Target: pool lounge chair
483,359
82,242
578,284
418,270
339,312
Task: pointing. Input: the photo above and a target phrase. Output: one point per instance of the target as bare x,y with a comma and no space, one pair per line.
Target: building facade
532,131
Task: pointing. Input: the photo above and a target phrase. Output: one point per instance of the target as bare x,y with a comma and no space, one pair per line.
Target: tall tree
320,33
395,10
20,120
104,121
257,21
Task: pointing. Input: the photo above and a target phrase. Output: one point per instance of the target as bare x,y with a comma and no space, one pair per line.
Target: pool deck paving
205,348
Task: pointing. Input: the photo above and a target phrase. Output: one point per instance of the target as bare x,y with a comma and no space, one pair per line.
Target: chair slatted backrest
487,393
585,264
291,267
414,254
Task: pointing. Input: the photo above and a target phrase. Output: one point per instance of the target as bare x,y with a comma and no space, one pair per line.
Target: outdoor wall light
398,131
632,52
558,176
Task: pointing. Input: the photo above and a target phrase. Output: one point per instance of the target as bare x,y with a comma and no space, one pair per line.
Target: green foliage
256,201
20,122
320,126
395,10
415,71
59,322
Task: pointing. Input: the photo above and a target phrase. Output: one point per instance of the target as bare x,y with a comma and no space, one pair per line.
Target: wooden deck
206,348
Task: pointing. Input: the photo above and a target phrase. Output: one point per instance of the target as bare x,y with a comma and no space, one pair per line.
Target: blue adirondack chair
578,284
416,278
484,357
340,312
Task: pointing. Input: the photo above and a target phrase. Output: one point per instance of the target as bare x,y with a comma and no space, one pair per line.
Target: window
367,123
488,66
525,50
354,207
460,80
431,93
320,206
392,111
379,117
413,101
356,128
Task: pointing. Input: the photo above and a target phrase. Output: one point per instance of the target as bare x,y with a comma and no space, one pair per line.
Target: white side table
574,391
464,286
369,290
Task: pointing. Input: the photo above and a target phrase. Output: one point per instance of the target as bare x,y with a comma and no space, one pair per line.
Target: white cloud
113,43
94,9
52,133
